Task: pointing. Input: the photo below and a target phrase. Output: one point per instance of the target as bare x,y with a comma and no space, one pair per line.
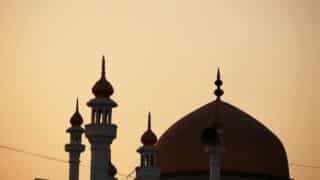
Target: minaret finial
218,92
77,105
149,121
103,71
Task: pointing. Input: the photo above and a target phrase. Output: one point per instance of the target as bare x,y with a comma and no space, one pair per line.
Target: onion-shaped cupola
102,88
76,119
149,138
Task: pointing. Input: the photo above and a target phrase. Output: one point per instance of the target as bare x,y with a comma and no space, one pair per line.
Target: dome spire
218,92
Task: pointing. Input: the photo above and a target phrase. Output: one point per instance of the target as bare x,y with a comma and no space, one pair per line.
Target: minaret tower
149,168
74,148
212,136
101,132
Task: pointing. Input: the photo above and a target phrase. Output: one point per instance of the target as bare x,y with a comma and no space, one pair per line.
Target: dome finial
149,121
218,92
103,70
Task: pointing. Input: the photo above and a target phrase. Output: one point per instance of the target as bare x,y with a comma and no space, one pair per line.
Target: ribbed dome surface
250,147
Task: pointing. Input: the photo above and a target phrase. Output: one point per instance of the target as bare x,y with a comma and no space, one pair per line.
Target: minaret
212,136
101,132
149,168
74,148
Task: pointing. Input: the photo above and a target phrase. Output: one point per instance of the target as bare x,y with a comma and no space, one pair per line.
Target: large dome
251,149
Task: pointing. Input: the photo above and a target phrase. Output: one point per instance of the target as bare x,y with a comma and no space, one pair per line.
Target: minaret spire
218,92
149,121
77,105
103,68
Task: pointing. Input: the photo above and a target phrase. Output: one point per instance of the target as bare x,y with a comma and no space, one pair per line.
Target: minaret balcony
74,147
102,102
101,132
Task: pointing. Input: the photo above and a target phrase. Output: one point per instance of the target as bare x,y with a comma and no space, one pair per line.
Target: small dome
76,119
102,88
112,170
149,138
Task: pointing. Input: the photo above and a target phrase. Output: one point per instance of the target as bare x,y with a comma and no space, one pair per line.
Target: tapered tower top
76,119
149,138
102,88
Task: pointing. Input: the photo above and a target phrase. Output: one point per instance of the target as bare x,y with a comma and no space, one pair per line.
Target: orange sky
163,57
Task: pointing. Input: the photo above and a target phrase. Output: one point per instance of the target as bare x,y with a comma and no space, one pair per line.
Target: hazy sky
163,57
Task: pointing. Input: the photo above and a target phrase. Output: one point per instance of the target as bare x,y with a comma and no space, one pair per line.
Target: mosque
216,141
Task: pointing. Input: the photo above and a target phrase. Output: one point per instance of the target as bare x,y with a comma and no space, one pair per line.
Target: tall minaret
74,148
149,168
212,136
101,131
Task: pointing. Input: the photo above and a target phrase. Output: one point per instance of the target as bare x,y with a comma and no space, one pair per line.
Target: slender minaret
149,168
212,136
74,148
101,132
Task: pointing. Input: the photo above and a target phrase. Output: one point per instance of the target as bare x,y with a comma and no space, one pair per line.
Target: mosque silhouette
216,141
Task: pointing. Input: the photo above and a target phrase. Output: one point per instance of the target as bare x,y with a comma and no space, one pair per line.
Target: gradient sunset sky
162,57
